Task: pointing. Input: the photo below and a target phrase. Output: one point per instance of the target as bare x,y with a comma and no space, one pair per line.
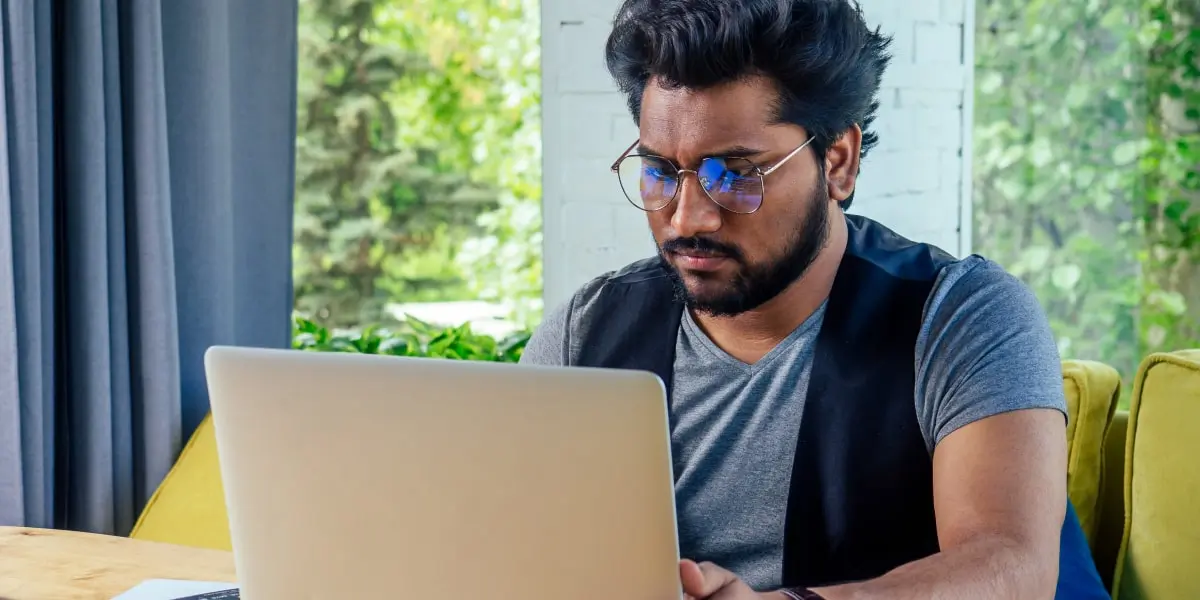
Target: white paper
170,589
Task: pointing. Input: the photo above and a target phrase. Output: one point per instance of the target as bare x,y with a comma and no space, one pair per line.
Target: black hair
825,62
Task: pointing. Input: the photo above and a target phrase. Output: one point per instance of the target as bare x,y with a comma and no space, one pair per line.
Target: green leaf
1078,95
1171,302
1066,277
1041,153
1177,210
1125,153
418,339
990,82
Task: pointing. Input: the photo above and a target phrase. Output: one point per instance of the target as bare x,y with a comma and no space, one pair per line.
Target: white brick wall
916,181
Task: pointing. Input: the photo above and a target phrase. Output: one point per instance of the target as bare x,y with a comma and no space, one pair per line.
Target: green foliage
1170,162
418,156
482,102
367,201
412,338
1085,167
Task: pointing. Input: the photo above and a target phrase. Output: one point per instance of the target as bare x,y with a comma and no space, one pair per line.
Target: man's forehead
689,123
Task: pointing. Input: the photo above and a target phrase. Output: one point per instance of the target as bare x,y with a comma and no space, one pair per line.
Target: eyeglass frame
762,175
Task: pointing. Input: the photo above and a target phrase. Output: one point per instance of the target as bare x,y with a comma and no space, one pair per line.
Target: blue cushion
1078,578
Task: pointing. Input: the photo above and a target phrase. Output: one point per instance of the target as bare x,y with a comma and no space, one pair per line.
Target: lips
699,254
699,261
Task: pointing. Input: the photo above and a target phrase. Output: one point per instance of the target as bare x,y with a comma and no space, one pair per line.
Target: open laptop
353,476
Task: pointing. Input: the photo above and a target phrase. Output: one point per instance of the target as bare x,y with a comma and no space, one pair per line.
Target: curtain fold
145,215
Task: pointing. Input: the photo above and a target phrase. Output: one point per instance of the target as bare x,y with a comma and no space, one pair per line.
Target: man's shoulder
898,256
959,280
555,339
647,275
641,271
905,258
974,287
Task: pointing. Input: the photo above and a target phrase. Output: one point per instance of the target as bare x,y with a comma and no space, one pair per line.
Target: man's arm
1000,499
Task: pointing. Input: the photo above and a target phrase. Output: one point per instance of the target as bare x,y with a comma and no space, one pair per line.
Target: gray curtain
146,158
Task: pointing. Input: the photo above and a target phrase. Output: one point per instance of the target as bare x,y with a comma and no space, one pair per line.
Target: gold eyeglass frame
762,175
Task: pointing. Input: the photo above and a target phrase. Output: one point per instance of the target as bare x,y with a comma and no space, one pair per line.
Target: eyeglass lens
650,183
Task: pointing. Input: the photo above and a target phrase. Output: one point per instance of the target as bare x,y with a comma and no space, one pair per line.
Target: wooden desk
39,564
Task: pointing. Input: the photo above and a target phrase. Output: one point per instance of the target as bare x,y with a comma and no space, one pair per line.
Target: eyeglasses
735,184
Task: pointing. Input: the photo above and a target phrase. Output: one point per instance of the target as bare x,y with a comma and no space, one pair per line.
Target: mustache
704,245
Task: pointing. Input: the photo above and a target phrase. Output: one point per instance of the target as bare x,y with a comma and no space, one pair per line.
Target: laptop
355,476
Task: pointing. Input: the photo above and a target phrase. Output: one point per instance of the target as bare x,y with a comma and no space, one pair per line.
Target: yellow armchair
189,506
1092,390
1161,544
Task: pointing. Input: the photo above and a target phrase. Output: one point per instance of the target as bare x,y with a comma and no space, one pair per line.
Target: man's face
725,263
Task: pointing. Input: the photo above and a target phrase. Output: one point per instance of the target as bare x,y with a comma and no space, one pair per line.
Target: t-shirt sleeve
985,348
548,344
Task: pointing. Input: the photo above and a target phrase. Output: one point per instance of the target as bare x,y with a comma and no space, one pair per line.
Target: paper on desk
173,589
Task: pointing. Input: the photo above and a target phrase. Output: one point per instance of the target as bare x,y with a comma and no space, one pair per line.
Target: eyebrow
730,152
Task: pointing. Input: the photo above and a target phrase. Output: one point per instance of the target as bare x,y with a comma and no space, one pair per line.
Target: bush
413,338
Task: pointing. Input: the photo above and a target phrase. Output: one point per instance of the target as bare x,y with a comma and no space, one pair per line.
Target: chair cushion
1092,390
1111,525
189,506
1161,544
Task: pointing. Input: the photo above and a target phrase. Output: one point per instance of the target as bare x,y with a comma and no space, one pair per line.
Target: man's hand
706,581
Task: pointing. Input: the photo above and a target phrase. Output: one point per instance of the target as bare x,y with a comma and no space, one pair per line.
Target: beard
754,284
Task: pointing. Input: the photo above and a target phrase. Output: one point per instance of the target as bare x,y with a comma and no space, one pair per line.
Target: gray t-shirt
984,348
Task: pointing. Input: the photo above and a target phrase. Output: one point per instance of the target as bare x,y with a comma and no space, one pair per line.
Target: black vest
861,497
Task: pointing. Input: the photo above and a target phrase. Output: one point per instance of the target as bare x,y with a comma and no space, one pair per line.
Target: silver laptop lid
351,476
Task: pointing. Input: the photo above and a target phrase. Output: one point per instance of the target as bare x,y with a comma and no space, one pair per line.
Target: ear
841,164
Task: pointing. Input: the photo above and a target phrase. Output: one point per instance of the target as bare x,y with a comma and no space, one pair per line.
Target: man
853,415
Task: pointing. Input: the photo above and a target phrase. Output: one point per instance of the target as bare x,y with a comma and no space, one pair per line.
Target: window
1085,168
418,163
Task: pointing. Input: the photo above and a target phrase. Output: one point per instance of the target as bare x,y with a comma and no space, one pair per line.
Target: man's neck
751,335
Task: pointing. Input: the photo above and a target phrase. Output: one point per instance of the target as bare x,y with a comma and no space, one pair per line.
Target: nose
695,213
